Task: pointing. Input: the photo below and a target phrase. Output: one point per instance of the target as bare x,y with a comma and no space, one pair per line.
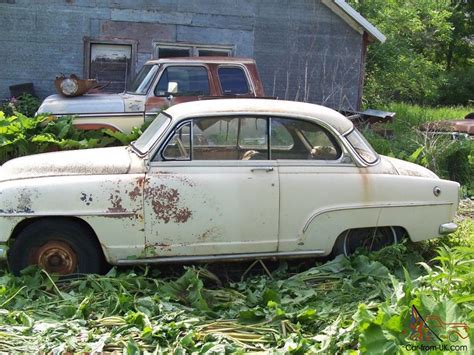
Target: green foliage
25,104
360,303
450,159
21,135
426,53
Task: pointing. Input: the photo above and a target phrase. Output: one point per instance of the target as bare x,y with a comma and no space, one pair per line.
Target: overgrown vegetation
448,158
428,57
25,104
360,303
21,135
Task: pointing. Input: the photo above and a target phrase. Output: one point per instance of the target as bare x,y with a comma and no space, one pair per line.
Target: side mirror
172,87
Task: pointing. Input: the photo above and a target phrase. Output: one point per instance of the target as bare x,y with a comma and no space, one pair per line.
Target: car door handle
266,169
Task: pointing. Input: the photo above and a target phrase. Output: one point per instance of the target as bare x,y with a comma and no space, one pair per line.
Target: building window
110,62
168,50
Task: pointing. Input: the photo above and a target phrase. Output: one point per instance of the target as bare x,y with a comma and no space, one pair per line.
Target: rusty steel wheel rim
56,257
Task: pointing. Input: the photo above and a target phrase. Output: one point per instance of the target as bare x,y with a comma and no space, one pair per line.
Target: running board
224,257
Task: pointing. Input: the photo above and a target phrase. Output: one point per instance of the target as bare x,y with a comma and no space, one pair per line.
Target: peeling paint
183,179
116,201
165,203
86,199
211,234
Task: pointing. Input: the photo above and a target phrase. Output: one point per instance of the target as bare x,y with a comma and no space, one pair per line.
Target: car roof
266,107
216,59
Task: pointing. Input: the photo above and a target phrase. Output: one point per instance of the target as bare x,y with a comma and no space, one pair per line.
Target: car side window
178,147
192,81
302,140
233,81
230,138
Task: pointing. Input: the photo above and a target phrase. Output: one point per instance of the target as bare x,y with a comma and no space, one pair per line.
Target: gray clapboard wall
304,51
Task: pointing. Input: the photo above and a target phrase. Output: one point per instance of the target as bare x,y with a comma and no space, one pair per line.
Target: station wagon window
303,140
233,81
191,80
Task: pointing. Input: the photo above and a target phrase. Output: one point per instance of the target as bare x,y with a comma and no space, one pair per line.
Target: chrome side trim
225,257
447,228
320,212
101,114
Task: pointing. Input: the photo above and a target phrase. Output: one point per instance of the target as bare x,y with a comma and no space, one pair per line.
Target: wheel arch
79,221
400,232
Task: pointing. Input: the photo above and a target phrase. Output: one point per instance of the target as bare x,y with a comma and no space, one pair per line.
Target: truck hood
89,103
101,161
409,169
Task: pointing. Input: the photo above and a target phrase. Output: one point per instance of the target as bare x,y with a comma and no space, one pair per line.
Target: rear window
233,81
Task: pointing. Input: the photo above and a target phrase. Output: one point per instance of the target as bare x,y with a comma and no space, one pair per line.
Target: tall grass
451,159
415,114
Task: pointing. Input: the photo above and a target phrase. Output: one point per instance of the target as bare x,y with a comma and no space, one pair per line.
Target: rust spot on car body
169,175
116,201
135,193
165,204
210,234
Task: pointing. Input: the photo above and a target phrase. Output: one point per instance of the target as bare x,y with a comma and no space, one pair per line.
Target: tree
429,44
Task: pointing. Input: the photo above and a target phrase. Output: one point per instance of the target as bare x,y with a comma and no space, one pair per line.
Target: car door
211,190
321,188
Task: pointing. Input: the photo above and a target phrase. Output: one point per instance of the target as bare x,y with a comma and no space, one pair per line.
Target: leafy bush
458,87
25,104
449,159
427,58
21,135
359,303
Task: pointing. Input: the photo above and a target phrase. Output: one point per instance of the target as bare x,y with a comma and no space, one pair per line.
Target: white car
218,180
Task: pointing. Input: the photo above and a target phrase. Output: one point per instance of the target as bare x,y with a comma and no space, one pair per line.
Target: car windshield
151,134
362,147
143,80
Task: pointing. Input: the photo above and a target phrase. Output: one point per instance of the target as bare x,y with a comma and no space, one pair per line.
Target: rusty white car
218,180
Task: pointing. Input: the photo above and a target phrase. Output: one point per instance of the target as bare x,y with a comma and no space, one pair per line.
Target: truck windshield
151,134
143,80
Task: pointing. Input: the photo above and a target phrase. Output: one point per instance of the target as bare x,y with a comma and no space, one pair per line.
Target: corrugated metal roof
348,13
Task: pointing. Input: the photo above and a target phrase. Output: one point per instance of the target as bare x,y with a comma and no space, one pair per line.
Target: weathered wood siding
303,50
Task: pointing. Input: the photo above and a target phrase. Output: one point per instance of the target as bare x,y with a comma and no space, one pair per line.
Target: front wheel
371,239
57,246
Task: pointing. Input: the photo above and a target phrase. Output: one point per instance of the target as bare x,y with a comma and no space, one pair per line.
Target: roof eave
354,19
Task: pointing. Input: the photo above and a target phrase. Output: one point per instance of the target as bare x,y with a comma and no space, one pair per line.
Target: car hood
92,103
409,169
101,161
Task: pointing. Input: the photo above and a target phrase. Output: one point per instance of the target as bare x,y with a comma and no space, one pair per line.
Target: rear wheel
371,239
57,246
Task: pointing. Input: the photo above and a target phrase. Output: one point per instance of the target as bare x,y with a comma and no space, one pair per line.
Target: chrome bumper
3,252
447,228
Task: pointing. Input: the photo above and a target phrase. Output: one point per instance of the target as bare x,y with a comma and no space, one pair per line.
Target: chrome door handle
266,169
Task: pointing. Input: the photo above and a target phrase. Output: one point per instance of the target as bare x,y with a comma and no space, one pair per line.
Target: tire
58,246
372,239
